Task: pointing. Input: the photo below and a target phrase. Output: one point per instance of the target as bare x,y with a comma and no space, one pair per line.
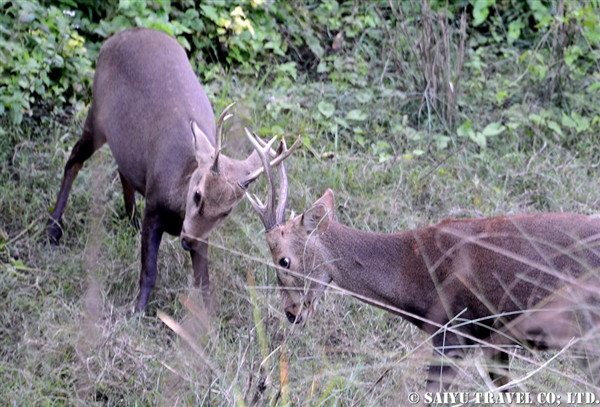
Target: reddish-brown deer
529,280
150,108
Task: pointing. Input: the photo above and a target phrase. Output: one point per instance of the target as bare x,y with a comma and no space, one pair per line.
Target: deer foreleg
441,370
201,278
152,232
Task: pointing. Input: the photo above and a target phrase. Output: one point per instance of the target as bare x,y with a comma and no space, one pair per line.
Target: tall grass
68,335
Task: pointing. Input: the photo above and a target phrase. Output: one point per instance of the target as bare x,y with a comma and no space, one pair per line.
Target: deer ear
328,201
204,149
316,219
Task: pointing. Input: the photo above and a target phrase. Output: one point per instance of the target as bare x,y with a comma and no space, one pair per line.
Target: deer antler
259,145
270,215
222,118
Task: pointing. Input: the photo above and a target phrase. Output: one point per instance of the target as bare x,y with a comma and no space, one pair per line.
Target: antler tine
283,185
266,212
278,159
285,152
222,118
263,143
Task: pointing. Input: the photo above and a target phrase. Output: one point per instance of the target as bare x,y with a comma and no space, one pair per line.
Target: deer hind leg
129,198
85,147
497,366
152,231
441,370
587,354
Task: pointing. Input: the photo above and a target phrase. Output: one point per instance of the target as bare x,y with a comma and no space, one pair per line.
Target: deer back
145,96
487,266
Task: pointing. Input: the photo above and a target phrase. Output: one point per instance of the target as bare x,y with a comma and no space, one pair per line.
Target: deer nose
293,318
185,245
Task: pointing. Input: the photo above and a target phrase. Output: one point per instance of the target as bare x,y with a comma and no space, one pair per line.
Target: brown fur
160,126
528,279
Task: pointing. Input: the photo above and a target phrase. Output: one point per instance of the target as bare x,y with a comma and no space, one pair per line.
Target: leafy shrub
43,62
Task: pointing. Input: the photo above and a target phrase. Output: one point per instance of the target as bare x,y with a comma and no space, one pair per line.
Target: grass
68,335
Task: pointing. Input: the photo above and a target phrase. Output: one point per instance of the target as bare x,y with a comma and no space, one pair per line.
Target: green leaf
315,45
500,96
26,17
481,10
572,53
383,157
289,68
514,29
364,96
583,123
124,4
184,43
465,129
16,116
568,122
341,122
210,12
537,119
552,125
322,67
493,129
357,115
479,138
306,140
327,109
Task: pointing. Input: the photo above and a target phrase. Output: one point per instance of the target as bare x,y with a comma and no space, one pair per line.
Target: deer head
218,184
303,273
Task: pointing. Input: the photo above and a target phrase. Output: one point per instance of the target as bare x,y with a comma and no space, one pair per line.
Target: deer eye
285,263
197,197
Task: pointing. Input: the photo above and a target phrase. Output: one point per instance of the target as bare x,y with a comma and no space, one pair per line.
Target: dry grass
69,337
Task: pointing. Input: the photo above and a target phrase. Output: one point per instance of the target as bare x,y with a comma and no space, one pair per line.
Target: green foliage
138,14
323,58
369,85
43,61
237,32
480,137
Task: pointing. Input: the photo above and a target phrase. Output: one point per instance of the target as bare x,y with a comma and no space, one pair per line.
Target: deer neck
372,266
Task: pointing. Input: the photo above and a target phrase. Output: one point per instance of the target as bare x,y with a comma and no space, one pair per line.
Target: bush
43,61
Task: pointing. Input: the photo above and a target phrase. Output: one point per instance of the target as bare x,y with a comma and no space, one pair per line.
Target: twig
441,162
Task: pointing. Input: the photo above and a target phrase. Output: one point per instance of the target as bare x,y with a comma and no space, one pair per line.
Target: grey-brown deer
150,108
529,280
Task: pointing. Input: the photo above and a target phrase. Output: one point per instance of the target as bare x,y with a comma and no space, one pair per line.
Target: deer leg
129,198
201,278
152,232
497,367
442,374
587,355
84,148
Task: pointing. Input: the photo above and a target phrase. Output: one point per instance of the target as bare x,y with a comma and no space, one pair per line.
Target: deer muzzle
297,314
186,246
187,241
294,319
